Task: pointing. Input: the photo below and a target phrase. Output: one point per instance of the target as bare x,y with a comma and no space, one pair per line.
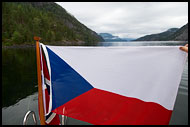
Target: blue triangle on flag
66,82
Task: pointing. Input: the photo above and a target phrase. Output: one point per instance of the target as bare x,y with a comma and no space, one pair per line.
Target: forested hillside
173,34
21,21
181,34
158,37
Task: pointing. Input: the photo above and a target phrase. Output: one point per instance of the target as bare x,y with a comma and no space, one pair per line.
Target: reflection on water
19,93
19,74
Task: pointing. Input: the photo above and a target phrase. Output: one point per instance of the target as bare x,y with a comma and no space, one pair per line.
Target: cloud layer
129,19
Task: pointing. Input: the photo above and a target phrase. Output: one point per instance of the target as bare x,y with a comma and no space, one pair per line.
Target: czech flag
132,85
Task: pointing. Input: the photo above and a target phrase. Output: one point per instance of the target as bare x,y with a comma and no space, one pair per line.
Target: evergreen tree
21,21
17,38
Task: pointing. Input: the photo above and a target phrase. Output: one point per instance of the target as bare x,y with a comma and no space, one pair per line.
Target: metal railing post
26,117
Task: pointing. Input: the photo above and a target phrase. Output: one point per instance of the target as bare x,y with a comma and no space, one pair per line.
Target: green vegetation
173,34
21,21
180,34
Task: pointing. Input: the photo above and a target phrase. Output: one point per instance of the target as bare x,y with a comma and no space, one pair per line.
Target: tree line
22,21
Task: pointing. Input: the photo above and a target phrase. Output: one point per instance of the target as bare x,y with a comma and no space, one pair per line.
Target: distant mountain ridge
109,37
181,34
21,21
172,34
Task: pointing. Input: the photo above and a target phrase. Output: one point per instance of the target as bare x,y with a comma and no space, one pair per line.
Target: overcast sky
129,19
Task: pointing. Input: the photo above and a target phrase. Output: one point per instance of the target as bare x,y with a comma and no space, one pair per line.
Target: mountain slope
21,21
109,37
181,34
158,37
173,34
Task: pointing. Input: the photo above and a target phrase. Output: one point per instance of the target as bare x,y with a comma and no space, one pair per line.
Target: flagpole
40,95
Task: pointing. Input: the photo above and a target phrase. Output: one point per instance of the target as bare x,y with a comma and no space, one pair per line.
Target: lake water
19,85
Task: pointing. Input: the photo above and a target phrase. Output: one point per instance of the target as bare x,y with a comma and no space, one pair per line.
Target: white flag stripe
47,81
50,118
143,72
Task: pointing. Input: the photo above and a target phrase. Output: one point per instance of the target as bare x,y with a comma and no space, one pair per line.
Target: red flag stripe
45,69
119,110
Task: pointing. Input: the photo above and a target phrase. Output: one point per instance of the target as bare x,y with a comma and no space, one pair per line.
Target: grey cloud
129,19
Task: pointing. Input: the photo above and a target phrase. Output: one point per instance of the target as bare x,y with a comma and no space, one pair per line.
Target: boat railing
63,121
27,115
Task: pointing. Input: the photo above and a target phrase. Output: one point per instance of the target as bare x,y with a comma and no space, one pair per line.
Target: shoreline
69,44
19,46
59,43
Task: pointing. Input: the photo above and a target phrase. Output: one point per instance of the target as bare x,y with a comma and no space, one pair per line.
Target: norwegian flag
50,117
